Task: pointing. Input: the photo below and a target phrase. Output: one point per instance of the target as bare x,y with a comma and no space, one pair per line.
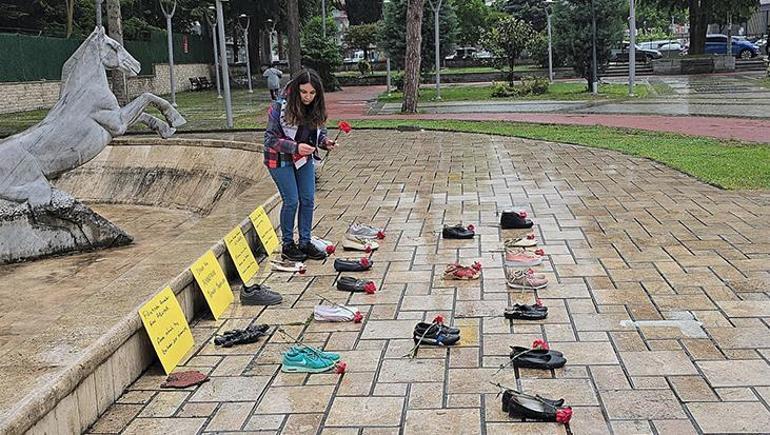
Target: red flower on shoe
370,288
439,320
380,235
538,302
341,367
368,248
531,236
302,271
522,214
345,127
358,317
540,344
364,262
564,415
471,227
476,266
330,249
540,252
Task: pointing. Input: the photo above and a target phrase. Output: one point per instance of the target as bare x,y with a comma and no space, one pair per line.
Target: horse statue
85,119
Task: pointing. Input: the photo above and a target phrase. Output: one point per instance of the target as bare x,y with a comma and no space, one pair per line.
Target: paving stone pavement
628,240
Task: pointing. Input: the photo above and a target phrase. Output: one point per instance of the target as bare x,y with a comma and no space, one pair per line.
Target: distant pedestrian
273,75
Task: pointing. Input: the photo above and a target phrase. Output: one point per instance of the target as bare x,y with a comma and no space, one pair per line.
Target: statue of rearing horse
81,124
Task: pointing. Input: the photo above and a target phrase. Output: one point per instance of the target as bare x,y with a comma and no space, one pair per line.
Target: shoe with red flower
351,265
458,232
458,271
521,405
350,284
510,219
357,243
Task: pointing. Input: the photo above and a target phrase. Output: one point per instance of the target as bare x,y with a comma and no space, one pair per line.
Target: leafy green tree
363,11
391,36
507,39
701,13
472,20
361,37
529,11
322,54
573,41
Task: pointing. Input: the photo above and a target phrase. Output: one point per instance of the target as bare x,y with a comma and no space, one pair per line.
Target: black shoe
537,358
522,405
291,251
241,336
507,399
350,265
350,284
422,326
259,295
514,220
526,312
433,334
458,232
312,252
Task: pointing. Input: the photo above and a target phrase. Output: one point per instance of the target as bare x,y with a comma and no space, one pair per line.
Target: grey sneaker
365,231
259,295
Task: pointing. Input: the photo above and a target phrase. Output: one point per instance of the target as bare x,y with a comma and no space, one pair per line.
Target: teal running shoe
295,361
325,355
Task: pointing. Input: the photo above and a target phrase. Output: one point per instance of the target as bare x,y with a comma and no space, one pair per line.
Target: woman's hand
330,144
305,150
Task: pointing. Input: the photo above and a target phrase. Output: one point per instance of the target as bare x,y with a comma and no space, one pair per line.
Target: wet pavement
657,295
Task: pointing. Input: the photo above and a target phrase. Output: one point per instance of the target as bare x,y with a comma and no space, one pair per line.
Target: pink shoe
524,280
522,258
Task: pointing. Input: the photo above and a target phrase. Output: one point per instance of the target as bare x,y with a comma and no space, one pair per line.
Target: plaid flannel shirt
280,147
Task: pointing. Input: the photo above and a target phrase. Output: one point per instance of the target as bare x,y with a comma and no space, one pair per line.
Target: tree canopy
391,35
363,11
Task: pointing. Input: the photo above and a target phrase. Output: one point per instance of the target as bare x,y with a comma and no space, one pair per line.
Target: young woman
295,131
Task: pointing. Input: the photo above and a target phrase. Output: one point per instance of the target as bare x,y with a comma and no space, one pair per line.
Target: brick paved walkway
628,240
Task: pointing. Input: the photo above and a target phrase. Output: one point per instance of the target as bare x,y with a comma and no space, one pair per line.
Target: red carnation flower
368,248
564,415
330,249
302,271
370,288
358,317
439,320
340,368
364,262
476,266
345,127
531,236
522,214
471,227
540,252
538,302
540,344
380,235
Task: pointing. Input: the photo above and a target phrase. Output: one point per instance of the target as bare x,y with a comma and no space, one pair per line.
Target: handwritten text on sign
265,229
167,328
241,254
213,283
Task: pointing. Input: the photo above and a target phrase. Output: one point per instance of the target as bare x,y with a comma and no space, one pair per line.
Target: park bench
205,83
195,84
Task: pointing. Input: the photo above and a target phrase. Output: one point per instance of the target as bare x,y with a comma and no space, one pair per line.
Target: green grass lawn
724,163
562,91
466,70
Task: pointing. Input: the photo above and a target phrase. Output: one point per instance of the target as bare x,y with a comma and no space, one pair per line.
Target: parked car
664,46
643,55
484,54
741,48
462,53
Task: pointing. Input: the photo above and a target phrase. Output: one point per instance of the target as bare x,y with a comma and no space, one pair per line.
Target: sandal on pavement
458,271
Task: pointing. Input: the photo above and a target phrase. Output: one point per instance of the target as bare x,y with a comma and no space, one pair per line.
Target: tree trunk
412,57
115,26
281,49
70,16
266,50
295,60
698,26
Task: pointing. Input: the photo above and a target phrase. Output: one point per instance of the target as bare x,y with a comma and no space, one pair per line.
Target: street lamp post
223,64
436,11
387,66
246,37
170,40
212,20
323,16
631,48
271,23
548,11
594,74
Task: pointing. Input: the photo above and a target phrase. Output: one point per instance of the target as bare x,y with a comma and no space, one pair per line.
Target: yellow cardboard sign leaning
241,254
265,229
167,328
213,283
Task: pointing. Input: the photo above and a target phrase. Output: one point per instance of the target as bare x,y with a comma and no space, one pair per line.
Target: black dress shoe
350,265
507,399
458,232
514,220
291,252
522,405
422,326
537,358
433,334
312,252
526,312
350,284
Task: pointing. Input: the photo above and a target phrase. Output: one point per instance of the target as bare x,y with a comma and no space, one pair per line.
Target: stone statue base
64,226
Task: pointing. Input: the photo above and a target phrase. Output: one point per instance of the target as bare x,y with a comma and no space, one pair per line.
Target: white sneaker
355,243
334,313
287,266
322,245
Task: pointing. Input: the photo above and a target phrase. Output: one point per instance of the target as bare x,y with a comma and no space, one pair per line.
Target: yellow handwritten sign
167,328
213,283
241,254
265,230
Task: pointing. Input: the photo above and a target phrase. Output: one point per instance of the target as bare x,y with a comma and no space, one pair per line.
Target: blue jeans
297,188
